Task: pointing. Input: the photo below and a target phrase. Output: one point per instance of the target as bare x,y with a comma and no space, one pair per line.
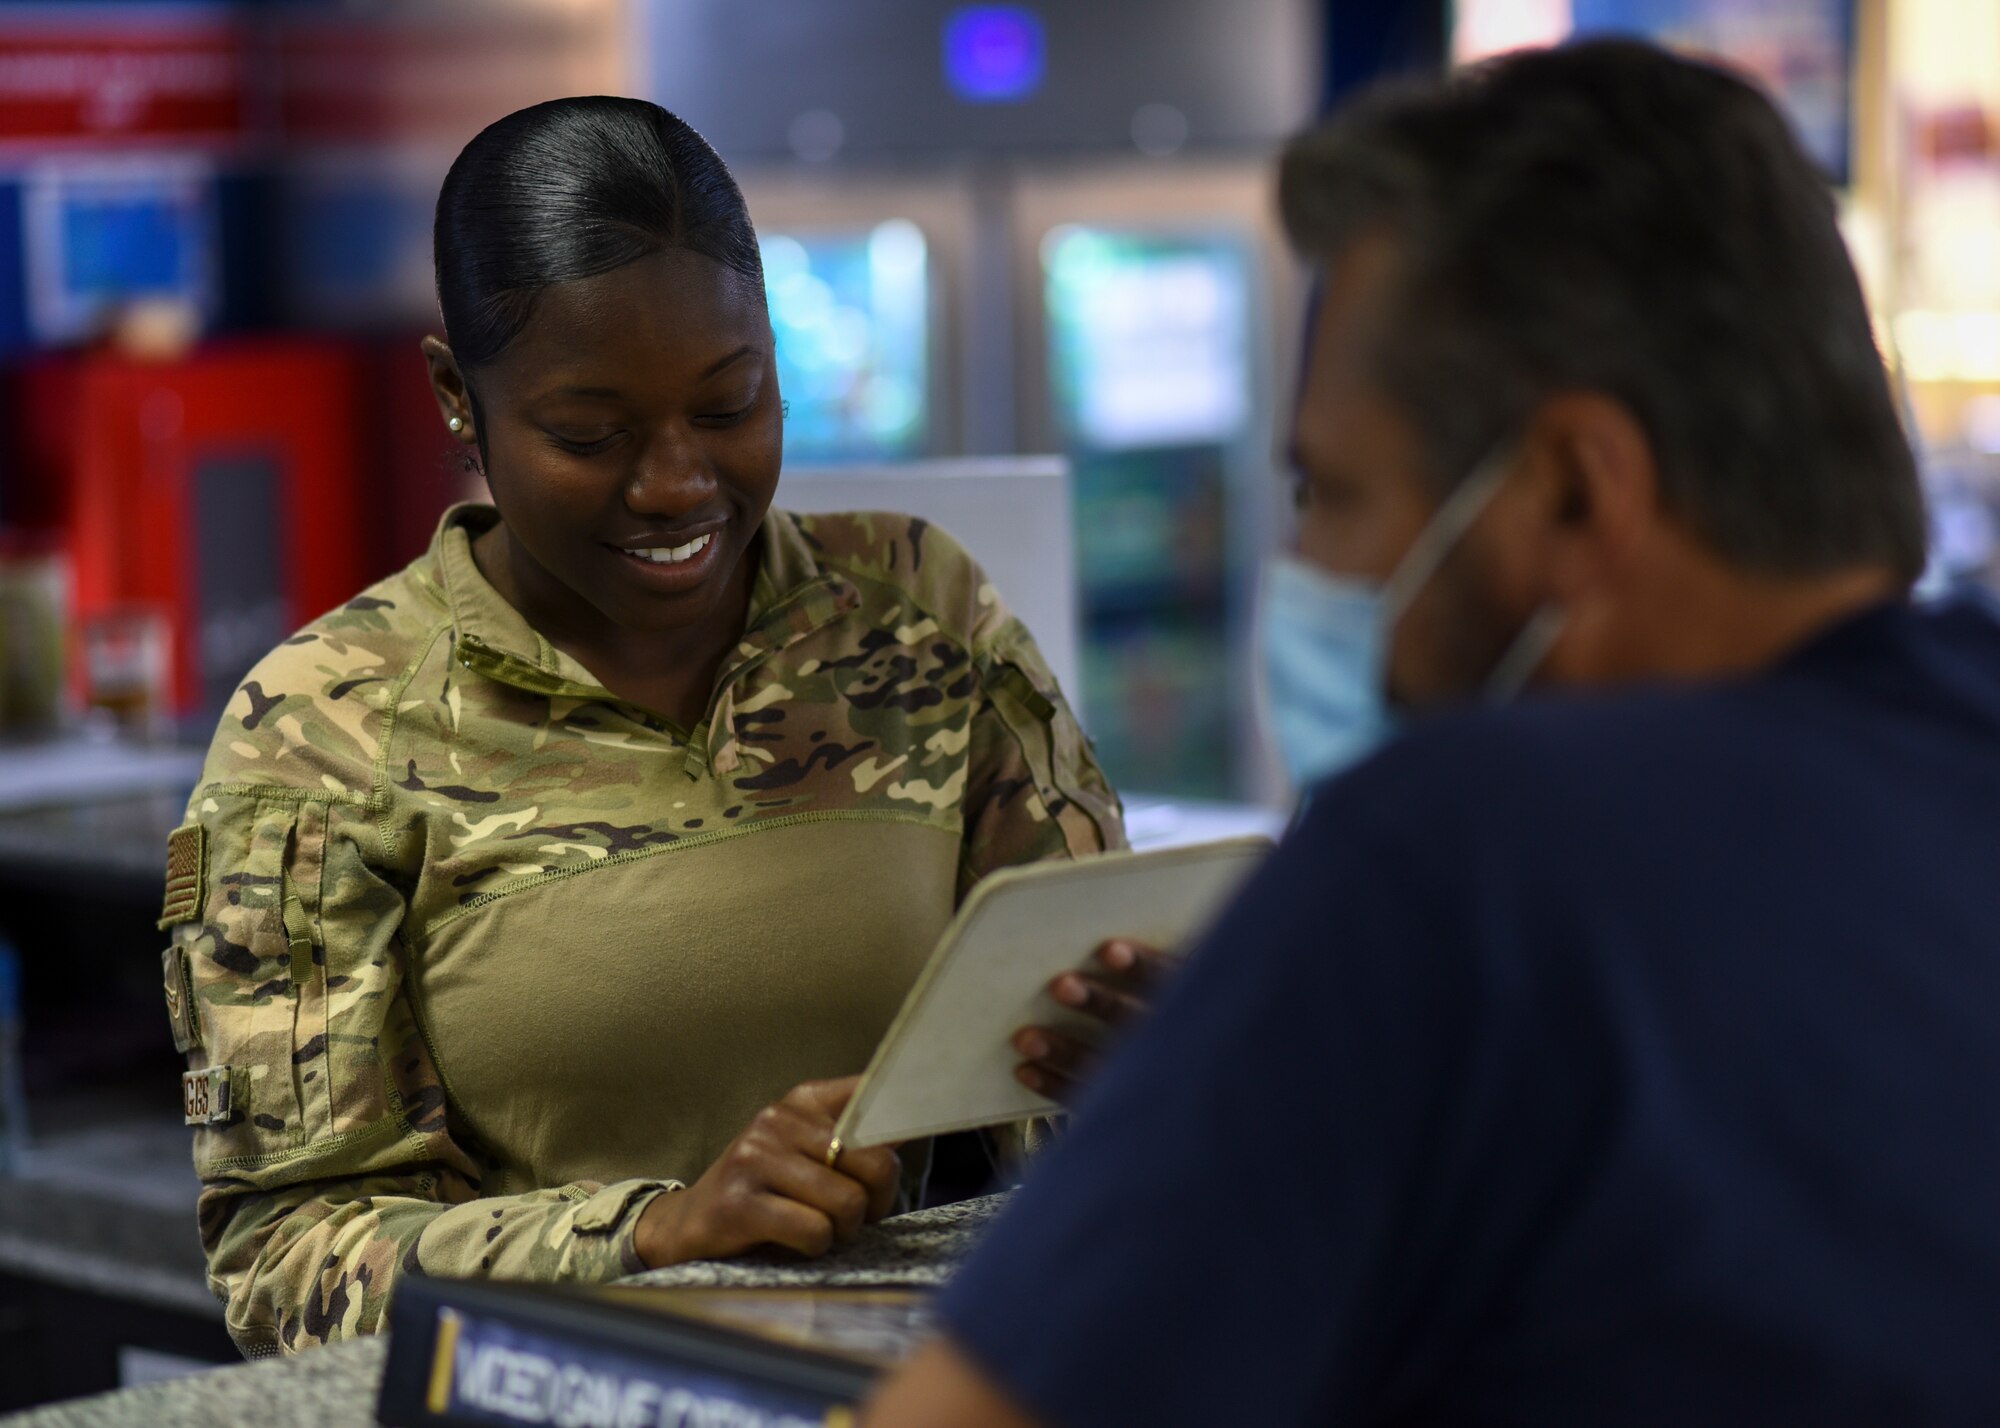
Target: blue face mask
1325,641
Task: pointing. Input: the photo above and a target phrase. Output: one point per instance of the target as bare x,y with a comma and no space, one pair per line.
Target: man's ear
454,398
1595,489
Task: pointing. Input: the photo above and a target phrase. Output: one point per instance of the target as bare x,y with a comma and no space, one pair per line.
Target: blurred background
991,231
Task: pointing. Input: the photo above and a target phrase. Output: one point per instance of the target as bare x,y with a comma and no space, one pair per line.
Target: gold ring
833,1148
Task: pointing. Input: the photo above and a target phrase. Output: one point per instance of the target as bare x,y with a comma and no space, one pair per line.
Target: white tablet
947,1062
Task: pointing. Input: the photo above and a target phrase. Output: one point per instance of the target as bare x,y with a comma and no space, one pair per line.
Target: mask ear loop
1525,655
1452,520
1427,553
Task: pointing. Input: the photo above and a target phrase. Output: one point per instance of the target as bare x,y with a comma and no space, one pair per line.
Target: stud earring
456,423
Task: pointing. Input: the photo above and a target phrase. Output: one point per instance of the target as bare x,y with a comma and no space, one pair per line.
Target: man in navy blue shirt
1629,1053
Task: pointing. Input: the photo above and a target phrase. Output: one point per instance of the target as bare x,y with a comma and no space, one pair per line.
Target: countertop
335,1387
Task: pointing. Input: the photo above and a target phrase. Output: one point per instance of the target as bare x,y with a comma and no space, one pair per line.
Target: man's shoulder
1919,666
908,560
1523,763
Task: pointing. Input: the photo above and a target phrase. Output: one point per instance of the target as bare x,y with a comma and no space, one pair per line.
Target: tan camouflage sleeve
1033,791
324,1143
1033,787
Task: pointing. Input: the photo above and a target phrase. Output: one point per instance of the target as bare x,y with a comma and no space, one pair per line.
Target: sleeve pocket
256,983
1025,694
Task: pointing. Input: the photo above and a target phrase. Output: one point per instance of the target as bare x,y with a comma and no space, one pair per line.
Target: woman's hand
772,1186
1054,1063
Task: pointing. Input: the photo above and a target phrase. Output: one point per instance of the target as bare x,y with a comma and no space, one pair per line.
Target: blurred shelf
65,771
1153,822
116,845
105,1203
80,815
102,1277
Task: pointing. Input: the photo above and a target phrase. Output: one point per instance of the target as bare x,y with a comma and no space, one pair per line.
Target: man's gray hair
1607,217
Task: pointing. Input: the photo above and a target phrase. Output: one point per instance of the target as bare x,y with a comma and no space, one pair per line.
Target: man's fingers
1054,1051
1136,963
1044,1082
1096,997
1053,1061
1055,1064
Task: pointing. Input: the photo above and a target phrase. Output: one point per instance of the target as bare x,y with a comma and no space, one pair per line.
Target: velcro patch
187,867
205,1096
181,1013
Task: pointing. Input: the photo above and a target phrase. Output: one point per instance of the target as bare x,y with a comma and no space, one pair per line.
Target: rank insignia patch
187,860
205,1096
181,1013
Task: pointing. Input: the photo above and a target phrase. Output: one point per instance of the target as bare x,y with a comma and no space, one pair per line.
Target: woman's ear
454,398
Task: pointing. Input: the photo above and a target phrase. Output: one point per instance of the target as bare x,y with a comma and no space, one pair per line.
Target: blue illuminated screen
851,312
133,244
1149,337
994,53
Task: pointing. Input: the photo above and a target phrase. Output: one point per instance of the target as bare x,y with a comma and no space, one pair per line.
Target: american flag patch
187,856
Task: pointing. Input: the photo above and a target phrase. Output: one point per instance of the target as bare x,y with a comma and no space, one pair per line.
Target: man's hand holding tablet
1118,989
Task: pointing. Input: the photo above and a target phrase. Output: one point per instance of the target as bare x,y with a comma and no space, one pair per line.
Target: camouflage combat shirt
471,958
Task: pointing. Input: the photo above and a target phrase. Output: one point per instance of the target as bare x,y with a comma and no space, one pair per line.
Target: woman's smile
673,563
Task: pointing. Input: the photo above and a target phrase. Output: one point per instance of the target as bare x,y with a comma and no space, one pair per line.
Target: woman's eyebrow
738,355
748,349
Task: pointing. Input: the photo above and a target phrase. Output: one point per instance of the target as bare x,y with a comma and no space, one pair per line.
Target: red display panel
139,78
225,489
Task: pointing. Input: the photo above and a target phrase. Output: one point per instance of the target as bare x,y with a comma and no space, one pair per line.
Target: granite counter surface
335,1387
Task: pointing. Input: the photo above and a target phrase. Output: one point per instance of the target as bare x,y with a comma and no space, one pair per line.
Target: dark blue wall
1366,39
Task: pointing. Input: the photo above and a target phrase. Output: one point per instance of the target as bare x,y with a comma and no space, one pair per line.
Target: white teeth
663,555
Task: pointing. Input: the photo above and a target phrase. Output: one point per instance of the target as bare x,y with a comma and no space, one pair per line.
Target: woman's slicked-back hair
570,189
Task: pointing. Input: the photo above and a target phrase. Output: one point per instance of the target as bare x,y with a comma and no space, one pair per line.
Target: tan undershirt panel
628,1021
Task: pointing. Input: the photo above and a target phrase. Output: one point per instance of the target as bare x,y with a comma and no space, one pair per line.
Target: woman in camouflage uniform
528,900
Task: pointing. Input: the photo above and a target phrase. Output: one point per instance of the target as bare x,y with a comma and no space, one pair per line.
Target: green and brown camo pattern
421,753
